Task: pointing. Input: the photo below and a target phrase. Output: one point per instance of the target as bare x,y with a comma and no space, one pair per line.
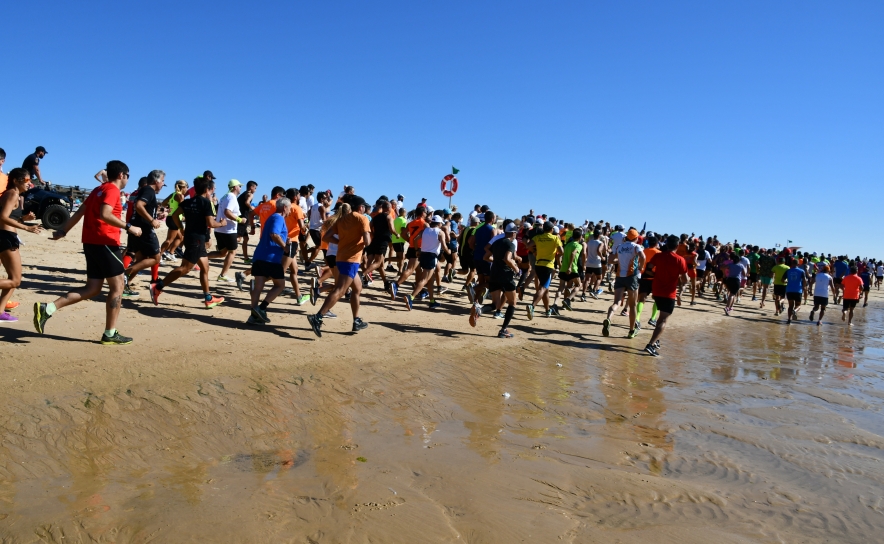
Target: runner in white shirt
631,260
702,258
821,285
226,236
596,256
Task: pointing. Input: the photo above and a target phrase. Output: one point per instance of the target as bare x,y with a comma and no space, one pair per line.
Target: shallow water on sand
742,431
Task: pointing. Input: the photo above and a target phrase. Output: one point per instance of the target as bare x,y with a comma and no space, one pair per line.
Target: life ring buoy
445,181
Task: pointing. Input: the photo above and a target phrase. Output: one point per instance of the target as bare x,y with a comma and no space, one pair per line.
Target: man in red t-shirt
852,286
101,244
669,270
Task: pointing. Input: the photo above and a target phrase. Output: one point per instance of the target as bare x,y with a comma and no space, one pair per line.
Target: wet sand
203,430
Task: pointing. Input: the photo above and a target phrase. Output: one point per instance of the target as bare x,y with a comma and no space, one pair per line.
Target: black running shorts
264,269
226,241
194,248
103,262
665,305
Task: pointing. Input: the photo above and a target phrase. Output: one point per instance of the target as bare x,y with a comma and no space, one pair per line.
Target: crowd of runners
334,246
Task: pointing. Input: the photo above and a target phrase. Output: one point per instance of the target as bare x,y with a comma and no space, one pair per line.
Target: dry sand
204,430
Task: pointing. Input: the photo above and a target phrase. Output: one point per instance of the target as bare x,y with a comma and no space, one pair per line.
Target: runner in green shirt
398,241
779,284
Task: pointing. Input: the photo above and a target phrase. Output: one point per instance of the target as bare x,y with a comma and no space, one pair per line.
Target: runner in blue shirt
795,278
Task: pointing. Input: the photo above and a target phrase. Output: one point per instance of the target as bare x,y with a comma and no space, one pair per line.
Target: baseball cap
435,219
400,197
631,234
446,211
618,227
555,229
512,227
40,148
208,174
233,183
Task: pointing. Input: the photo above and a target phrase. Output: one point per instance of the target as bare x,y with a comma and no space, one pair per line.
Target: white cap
435,219
512,227
555,230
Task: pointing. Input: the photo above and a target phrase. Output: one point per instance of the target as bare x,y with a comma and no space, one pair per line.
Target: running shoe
240,280
504,333
441,290
606,327
598,291
652,322
11,305
314,291
638,325
651,351
225,279
154,294
498,315
252,320
548,313
247,260
196,268
359,324
128,292
260,313
475,314
214,301
7,318
316,324
434,305
632,333
471,293
390,268
657,344
554,310
394,289
409,302
287,291
625,312
303,299
566,304
727,311
329,315
593,295
530,309
116,340
424,294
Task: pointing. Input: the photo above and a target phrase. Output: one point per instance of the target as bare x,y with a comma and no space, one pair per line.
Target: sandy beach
206,430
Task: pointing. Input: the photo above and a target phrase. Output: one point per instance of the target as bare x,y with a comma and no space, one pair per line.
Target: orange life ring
445,190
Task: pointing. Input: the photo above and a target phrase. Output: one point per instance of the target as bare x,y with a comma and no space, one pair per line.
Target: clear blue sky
762,121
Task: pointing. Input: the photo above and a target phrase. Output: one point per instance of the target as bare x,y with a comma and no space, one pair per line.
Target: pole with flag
454,172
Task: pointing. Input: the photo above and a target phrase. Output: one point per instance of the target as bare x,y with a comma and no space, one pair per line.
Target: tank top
430,240
571,247
315,218
593,260
380,227
173,205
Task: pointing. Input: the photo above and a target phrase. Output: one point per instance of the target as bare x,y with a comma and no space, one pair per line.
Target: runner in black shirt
247,227
199,215
145,248
381,238
504,267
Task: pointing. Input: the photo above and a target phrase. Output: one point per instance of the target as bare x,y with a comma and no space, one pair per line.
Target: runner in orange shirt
852,287
353,232
296,225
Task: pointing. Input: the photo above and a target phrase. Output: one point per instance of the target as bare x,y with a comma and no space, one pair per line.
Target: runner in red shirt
669,271
101,243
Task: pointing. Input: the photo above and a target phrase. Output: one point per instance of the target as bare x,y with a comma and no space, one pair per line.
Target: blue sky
754,120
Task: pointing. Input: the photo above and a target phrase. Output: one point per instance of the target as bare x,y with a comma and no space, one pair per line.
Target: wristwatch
127,226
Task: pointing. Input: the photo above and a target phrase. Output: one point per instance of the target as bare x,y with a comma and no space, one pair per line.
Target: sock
510,310
127,260
207,296
638,311
50,308
110,332
264,305
159,285
155,272
655,312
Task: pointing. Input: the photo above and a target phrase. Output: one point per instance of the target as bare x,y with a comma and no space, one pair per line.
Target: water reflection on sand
755,430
